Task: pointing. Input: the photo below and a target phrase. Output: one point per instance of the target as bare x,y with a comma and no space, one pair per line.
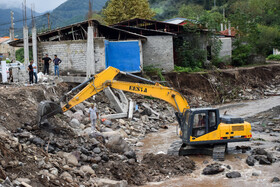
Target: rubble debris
63,153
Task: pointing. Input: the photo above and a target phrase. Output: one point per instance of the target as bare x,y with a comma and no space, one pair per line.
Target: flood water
160,142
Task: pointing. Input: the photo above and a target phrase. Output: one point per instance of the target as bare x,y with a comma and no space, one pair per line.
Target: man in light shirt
93,115
35,72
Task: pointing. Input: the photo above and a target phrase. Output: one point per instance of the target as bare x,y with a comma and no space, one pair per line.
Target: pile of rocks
65,152
260,155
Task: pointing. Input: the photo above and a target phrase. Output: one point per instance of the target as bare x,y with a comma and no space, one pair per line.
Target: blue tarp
123,55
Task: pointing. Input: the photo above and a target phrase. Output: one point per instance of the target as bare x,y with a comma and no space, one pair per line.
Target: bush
152,69
241,54
273,57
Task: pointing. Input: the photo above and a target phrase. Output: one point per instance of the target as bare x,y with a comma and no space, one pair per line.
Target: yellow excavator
202,130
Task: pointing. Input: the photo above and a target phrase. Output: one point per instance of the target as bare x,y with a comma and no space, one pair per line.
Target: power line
8,23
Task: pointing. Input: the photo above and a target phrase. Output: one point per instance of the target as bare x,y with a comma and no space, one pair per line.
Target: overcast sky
40,5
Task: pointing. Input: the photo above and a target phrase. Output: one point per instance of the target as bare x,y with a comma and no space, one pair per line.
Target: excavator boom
105,79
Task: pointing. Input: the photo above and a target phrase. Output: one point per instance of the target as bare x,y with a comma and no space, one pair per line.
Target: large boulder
233,174
87,131
259,151
264,161
130,154
66,176
275,179
74,123
116,143
213,169
68,113
87,169
71,159
37,141
80,106
250,160
79,115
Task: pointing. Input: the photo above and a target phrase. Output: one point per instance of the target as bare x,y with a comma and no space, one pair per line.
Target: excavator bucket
47,109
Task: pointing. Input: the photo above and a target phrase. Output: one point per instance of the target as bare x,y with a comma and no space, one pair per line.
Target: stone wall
73,54
158,52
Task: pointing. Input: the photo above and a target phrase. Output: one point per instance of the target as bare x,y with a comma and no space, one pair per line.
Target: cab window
199,125
212,121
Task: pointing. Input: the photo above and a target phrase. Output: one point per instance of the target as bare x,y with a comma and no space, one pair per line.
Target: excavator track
175,147
180,149
219,152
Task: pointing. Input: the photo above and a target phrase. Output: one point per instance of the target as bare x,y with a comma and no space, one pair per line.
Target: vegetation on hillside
256,22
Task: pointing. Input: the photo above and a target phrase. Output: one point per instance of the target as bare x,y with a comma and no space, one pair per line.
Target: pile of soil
152,168
19,104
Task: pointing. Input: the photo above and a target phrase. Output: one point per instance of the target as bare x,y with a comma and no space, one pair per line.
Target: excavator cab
206,126
198,122
204,131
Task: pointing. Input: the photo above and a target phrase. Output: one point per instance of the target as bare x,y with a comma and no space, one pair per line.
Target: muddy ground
65,153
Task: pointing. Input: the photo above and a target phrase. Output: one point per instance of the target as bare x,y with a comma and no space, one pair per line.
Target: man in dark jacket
56,62
46,61
30,70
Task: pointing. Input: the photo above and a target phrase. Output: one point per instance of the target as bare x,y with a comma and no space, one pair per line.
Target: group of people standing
32,68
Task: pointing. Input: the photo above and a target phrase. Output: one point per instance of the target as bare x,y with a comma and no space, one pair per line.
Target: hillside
70,12
166,9
5,18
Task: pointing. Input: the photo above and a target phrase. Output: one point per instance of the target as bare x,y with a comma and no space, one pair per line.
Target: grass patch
187,69
258,139
274,57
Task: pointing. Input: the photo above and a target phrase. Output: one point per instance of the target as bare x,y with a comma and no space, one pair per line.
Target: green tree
20,54
191,11
121,10
257,24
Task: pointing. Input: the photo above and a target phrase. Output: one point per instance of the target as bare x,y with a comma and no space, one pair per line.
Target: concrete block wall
226,48
73,54
158,52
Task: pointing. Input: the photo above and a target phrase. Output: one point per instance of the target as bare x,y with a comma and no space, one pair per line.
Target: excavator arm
106,79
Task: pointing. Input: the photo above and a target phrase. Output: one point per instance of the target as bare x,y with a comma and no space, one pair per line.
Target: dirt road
159,142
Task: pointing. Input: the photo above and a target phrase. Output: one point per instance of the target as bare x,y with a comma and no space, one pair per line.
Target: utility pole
90,44
214,3
34,38
12,37
25,37
49,24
